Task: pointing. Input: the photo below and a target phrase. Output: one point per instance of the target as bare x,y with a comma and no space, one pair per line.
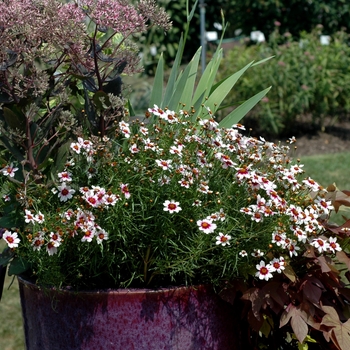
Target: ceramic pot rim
119,291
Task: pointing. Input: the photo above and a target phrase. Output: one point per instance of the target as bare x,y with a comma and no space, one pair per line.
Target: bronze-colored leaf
289,272
339,332
343,258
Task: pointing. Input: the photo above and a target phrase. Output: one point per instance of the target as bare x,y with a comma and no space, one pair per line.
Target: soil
333,138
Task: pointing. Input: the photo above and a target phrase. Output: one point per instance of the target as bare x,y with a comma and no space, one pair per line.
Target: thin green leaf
190,16
157,91
262,61
173,74
235,116
224,88
131,110
206,81
185,87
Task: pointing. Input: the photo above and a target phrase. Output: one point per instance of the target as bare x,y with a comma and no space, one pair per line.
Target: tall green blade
157,91
207,79
170,86
188,88
235,116
219,94
185,83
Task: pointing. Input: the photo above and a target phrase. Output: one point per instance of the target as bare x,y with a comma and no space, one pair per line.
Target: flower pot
138,319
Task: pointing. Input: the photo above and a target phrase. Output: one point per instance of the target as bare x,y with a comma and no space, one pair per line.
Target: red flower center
264,270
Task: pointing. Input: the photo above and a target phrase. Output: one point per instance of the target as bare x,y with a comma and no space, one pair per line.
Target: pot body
181,318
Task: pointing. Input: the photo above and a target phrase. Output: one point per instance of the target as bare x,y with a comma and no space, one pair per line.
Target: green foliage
307,79
294,16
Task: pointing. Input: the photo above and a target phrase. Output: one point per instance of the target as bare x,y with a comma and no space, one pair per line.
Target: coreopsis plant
175,201
178,200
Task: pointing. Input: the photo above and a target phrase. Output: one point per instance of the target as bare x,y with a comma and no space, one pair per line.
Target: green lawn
329,168
326,169
11,328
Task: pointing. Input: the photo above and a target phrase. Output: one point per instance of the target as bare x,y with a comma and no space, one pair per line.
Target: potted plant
158,210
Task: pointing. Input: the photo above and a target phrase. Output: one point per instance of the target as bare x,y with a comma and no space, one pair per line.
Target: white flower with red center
164,164
325,206
206,225
176,150
157,111
171,206
243,173
134,149
65,192
111,199
149,145
143,131
333,245
276,199
65,176
170,117
257,216
125,190
257,253
302,235
68,214
221,214
38,241
92,199
238,126
292,249
247,211
51,248
40,218
55,238
125,129
312,184
99,193
6,198
29,217
266,184
320,244
204,188
76,147
184,183
9,170
297,169
243,253
89,234
225,160
164,180
277,265
86,144
223,239
264,271
278,238
294,212
101,235
197,203
11,238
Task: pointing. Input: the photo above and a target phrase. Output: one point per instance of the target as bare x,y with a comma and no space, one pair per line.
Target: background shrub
309,80
294,16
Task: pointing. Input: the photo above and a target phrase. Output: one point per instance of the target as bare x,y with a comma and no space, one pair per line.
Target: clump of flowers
170,201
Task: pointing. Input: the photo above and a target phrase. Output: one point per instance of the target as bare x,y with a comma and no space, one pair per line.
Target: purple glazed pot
184,318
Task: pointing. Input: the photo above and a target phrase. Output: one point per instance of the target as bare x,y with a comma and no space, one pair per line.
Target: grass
11,326
325,169
330,169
